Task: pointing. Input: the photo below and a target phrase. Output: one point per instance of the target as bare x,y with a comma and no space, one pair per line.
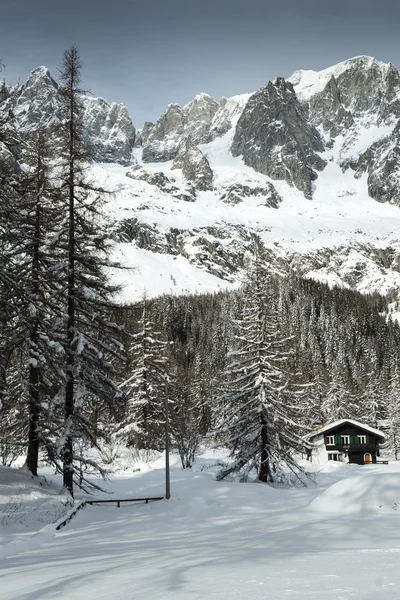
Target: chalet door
367,458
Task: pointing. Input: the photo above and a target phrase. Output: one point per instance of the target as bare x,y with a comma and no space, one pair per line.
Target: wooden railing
83,503
147,500
71,515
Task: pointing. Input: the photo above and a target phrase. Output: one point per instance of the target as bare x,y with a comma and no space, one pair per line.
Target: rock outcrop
195,167
162,140
109,130
202,120
275,138
266,196
163,183
199,115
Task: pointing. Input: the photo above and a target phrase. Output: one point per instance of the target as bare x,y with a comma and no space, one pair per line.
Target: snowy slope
27,504
222,540
316,174
308,83
332,238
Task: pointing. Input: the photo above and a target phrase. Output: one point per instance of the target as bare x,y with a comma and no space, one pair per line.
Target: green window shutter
338,439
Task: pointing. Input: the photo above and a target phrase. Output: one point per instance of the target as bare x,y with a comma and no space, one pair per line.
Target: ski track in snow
223,540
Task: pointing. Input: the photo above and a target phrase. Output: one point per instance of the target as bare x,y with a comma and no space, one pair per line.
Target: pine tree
259,425
144,385
10,280
31,285
92,342
42,287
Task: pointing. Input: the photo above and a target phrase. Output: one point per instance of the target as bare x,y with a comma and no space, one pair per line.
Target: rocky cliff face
109,130
356,106
275,138
202,120
195,167
108,126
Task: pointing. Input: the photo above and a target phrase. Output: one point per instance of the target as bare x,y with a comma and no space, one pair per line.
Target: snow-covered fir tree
144,385
258,410
92,342
30,288
42,308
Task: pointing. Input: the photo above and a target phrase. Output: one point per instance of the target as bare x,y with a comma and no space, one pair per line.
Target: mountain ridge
310,163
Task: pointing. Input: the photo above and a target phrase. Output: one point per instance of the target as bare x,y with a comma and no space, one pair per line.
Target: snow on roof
341,422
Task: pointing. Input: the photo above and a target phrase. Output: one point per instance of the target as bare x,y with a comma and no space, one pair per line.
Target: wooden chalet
346,441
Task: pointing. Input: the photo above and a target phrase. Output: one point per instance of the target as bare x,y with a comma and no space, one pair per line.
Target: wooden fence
147,500
83,503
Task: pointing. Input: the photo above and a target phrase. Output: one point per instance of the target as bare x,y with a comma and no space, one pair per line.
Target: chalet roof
342,422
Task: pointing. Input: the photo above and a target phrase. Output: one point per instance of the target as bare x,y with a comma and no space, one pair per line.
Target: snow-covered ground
336,539
27,505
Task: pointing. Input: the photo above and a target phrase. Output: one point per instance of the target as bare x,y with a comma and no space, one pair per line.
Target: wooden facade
348,441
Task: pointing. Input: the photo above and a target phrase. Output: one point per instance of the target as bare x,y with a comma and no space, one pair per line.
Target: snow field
340,214
222,540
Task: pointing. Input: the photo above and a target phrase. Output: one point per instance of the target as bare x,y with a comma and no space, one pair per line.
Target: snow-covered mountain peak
302,162
36,103
40,72
199,98
308,83
202,120
304,174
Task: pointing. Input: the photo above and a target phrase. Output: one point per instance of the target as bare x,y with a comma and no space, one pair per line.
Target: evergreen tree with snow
30,287
145,385
258,411
40,310
92,343
10,278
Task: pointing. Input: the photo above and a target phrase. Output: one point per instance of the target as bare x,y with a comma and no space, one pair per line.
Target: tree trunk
34,415
71,358
263,474
34,371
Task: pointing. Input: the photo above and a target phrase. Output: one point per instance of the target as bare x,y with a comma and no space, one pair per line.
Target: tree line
254,370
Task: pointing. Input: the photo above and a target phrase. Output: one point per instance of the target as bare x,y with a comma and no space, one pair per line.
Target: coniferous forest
251,370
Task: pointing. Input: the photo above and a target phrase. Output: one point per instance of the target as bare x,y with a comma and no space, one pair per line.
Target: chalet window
345,439
335,456
330,440
362,439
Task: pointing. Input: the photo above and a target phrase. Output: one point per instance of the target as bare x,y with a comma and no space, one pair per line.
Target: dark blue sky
149,53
